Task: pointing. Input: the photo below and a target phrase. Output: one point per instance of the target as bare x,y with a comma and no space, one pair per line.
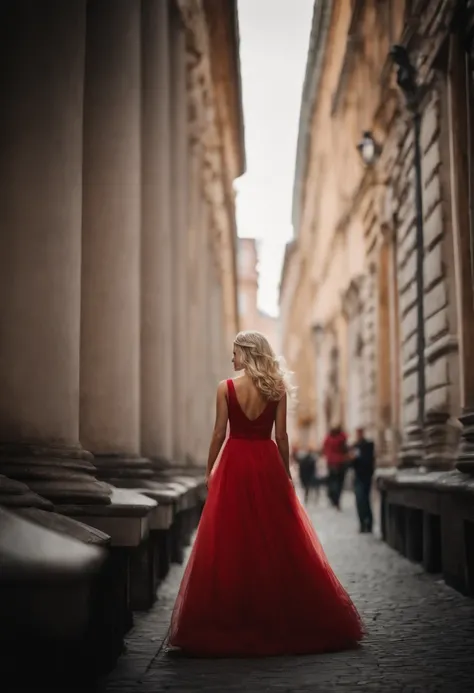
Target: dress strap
230,389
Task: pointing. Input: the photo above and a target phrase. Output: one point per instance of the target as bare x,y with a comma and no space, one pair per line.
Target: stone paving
421,633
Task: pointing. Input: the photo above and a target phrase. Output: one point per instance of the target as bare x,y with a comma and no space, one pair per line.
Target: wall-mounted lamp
368,148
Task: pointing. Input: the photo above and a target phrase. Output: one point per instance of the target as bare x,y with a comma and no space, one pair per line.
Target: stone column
195,324
156,242
42,81
202,341
461,196
394,346
110,317
383,341
210,383
225,345
179,222
215,325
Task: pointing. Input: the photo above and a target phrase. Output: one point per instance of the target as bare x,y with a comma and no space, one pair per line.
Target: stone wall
382,200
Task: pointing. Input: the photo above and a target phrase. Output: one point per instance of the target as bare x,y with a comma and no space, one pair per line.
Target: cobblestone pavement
421,633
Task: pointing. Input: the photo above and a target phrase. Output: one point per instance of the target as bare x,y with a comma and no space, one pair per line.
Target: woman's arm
220,427
281,435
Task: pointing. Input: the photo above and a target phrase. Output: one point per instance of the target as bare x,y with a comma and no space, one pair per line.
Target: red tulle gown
257,582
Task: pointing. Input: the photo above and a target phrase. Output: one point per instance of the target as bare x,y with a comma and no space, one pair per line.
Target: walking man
336,453
363,463
307,471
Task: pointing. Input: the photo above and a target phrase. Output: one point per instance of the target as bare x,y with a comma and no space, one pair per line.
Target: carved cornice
206,133
322,15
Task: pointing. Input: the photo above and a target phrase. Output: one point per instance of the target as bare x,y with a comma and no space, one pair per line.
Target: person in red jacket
335,450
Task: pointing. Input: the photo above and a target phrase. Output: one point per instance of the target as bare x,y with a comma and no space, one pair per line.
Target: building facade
250,315
377,285
122,134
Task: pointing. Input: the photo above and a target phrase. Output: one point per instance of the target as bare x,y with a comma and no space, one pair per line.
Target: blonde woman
257,582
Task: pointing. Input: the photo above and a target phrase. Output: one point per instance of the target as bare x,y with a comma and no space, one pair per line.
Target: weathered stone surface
410,387
436,325
409,324
433,266
410,412
435,299
431,164
429,126
433,227
408,272
437,373
437,400
408,298
409,348
431,194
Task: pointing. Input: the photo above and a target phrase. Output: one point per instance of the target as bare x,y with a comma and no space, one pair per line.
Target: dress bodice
243,427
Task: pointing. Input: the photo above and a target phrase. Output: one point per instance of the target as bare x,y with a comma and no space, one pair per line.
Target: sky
274,39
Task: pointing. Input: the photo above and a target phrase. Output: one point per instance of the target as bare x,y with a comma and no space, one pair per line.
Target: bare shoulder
222,388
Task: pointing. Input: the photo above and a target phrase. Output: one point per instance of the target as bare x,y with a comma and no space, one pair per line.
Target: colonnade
112,315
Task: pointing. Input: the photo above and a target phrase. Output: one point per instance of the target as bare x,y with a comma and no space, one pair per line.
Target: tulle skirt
258,582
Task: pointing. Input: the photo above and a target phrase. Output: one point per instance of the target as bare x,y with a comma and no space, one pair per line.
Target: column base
465,456
60,474
441,441
124,471
15,495
412,449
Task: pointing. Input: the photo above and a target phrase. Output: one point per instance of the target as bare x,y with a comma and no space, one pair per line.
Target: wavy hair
266,371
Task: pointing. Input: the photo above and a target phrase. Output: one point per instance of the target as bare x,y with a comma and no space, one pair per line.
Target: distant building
251,317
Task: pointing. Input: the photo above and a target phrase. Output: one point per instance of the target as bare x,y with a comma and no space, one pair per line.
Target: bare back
250,400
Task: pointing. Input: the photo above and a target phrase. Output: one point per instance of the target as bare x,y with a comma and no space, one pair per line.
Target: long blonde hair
266,371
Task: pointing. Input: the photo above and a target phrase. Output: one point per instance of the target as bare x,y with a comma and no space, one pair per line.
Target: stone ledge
15,494
126,520
440,481
66,526
43,547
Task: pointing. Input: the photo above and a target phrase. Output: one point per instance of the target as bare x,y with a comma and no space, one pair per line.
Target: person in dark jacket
307,470
363,463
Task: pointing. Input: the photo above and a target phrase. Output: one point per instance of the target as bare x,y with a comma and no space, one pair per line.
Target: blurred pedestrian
336,452
307,471
363,462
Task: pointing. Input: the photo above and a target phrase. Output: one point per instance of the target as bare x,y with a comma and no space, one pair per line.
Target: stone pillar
461,200
383,367
42,81
225,345
179,222
156,251
411,448
215,326
441,343
195,324
394,347
110,317
203,343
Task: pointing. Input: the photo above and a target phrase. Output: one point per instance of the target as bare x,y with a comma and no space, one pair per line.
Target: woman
257,582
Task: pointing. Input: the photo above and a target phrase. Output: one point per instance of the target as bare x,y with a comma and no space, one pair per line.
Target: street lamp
407,82
368,148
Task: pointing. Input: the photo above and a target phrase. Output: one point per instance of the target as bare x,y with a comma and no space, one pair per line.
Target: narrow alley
420,632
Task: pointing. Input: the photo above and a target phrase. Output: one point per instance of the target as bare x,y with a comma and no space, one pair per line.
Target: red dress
258,582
